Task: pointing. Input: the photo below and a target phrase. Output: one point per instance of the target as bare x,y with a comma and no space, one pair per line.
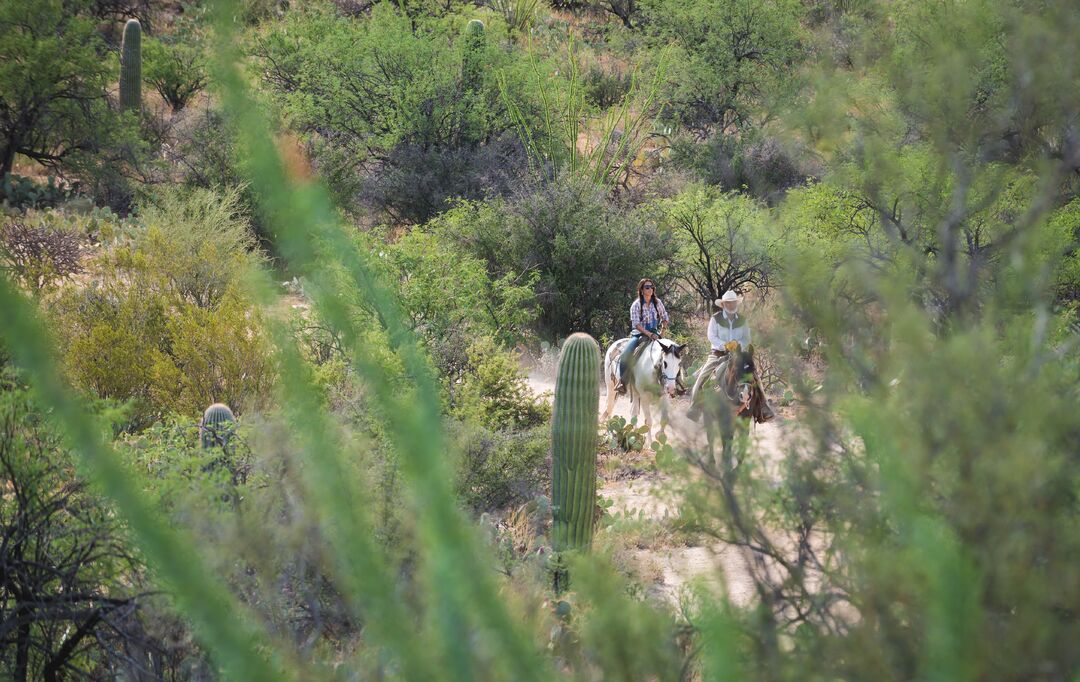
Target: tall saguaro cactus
573,443
472,59
131,67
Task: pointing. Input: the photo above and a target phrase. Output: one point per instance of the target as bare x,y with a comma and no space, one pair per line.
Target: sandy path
719,566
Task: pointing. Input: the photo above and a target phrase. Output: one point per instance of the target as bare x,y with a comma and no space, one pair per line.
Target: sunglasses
647,286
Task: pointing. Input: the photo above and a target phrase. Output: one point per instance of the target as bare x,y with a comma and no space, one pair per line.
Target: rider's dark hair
641,293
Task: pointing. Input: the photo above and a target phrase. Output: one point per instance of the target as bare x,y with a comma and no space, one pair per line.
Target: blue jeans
628,352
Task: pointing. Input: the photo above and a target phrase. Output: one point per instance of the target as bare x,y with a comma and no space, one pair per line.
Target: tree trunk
22,645
7,156
67,649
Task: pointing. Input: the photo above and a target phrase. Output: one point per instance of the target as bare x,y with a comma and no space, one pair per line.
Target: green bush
605,88
724,241
499,468
588,253
498,425
194,245
728,57
53,85
453,302
164,320
756,164
494,391
219,496
386,111
175,68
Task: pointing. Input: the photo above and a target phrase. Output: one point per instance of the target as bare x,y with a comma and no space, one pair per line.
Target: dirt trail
719,566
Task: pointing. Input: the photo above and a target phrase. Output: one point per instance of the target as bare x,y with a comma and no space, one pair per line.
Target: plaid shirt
651,317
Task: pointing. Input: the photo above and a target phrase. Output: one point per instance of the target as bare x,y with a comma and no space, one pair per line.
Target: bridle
729,384
662,377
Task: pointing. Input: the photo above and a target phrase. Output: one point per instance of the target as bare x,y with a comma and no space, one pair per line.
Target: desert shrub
605,88
205,152
70,584
36,254
723,241
166,355
1063,241
192,244
498,468
727,58
755,164
494,391
175,68
415,182
588,253
390,119
453,302
218,495
164,321
257,11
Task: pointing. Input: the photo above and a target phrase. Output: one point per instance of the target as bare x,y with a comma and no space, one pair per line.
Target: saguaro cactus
216,427
131,67
573,443
472,59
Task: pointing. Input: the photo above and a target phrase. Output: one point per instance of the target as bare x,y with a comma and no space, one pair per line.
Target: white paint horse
655,376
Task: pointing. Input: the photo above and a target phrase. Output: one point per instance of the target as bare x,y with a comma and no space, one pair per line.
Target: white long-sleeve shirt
723,329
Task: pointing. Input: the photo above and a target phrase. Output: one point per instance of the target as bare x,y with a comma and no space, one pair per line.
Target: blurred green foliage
915,519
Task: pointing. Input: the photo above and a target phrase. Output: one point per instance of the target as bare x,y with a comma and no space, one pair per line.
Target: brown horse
736,395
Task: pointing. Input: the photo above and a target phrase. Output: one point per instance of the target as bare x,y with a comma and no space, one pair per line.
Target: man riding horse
727,327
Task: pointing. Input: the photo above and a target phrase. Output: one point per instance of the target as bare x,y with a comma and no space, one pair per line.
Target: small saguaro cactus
475,30
217,426
131,67
472,59
573,443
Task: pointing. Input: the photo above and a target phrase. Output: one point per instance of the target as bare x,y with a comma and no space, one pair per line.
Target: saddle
640,349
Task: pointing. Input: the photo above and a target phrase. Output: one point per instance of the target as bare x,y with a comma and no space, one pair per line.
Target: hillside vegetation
274,274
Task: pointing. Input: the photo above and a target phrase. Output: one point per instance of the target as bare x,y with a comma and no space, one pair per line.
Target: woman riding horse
648,318
726,326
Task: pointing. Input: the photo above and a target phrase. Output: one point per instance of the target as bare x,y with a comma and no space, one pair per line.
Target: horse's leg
648,420
726,429
663,412
612,396
742,428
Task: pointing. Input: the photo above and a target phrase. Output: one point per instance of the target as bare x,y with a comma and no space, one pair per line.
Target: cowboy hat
729,296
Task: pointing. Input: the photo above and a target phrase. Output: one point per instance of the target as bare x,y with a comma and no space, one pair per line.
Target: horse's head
738,380
670,365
